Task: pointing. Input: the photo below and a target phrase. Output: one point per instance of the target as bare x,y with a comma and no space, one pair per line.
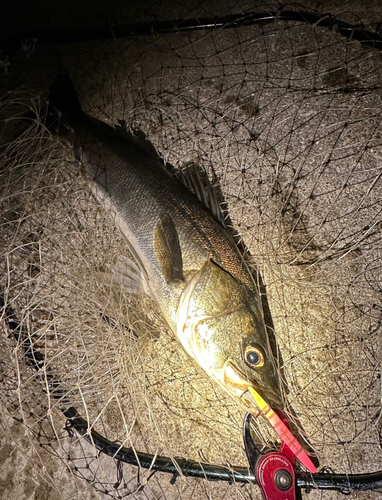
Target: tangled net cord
326,480
343,483
323,480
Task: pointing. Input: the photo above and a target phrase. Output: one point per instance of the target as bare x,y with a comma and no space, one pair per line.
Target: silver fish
184,257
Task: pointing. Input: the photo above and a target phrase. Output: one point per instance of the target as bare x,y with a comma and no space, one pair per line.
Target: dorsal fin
197,181
138,138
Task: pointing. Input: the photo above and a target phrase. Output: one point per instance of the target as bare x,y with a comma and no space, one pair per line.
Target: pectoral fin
167,249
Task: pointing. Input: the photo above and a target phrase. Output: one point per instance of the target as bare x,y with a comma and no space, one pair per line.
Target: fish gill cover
285,118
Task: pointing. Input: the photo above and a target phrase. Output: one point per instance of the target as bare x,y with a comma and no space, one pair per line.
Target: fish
183,255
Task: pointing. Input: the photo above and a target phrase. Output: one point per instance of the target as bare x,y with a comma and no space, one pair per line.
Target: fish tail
64,108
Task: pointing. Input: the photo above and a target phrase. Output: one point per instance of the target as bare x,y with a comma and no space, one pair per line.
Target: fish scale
184,257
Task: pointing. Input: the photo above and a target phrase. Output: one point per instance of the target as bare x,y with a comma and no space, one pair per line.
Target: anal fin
129,277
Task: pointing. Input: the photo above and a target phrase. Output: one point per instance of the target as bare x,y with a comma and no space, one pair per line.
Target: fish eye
254,356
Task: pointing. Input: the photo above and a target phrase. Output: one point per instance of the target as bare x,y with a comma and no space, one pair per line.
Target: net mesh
285,116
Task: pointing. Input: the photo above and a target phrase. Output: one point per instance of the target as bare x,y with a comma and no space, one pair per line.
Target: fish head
220,324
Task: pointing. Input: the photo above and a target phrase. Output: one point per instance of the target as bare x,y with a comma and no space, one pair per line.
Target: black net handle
84,33
343,483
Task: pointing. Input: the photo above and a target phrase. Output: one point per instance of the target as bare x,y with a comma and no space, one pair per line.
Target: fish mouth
236,380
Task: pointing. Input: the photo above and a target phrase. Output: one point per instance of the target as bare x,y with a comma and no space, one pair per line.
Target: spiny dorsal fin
197,181
167,249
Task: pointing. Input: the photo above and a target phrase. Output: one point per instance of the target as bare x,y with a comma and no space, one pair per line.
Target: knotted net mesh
285,117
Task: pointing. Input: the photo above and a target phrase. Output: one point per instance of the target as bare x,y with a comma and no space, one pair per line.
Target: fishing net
285,117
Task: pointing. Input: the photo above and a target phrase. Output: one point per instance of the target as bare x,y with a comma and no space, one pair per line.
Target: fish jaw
215,324
238,385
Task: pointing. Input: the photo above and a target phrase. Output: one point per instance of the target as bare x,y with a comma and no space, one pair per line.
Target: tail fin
64,108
